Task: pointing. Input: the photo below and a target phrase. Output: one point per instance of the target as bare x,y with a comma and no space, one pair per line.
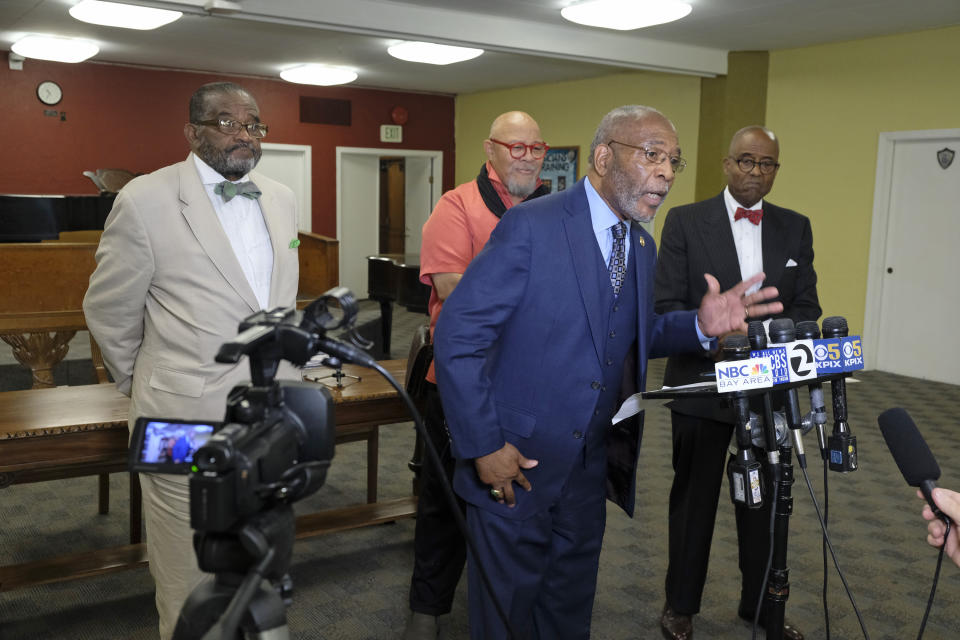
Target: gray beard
226,165
521,188
625,196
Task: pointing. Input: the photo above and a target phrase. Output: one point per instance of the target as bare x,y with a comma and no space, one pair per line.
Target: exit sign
391,133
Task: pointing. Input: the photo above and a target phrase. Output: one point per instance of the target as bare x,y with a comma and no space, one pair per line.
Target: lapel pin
295,243
642,243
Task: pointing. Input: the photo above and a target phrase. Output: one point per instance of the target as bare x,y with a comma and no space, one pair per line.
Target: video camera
273,448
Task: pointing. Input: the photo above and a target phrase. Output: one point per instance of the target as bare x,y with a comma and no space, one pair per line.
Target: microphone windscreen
757,335
835,327
782,330
807,330
909,449
736,346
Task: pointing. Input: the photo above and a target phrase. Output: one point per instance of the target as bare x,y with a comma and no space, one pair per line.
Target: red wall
132,118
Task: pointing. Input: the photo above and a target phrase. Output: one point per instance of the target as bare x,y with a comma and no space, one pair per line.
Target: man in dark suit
530,350
733,233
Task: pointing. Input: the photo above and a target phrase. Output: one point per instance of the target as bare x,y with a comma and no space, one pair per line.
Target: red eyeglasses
519,149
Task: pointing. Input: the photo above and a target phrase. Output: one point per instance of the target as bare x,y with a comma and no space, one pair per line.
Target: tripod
337,375
237,604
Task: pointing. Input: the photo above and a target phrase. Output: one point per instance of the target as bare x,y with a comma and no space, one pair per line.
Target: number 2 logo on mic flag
803,365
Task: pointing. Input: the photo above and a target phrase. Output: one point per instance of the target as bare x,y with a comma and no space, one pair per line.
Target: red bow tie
754,215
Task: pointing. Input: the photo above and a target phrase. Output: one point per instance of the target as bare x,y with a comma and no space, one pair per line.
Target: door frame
302,152
437,157
886,146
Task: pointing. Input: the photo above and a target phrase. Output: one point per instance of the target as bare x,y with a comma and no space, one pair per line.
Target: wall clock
49,92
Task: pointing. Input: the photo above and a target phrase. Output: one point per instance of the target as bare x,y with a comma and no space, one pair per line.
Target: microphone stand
780,465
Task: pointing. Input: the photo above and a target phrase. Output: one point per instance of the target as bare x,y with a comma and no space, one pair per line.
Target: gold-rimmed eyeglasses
232,127
519,149
655,156
747,164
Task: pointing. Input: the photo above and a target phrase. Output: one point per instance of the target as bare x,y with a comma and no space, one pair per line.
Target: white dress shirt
747,237
603,219
242,221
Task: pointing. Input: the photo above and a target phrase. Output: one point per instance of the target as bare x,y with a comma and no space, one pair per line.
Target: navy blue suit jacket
519,343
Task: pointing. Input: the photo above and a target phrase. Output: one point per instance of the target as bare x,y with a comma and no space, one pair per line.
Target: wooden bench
65,432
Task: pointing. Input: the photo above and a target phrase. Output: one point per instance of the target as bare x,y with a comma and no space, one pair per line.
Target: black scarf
493,200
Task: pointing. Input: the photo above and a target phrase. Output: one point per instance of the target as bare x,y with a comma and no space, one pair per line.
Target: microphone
808,330
842,445
345,352
782,331
757,335
743,472
912,455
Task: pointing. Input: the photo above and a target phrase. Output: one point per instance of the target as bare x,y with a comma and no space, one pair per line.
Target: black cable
451,498
836,563
823,544
936,578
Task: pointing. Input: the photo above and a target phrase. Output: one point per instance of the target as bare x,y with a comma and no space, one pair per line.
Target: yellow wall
568,114
828,104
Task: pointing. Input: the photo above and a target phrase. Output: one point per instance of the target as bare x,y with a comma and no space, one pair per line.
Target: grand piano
394,278
30,218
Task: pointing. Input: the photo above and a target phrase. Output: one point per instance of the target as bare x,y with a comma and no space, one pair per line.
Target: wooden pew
41,302
44,284
319,265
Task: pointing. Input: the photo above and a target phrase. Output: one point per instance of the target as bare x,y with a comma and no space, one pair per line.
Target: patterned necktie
229,190
618,258
754,215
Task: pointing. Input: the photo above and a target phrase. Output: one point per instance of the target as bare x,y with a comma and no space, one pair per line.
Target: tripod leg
203,609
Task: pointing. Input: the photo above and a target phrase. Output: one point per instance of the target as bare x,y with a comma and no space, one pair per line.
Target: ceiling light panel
319,74
55,48
431,53
127,16
625,15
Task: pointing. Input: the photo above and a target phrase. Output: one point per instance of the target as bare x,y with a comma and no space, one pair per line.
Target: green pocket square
295,243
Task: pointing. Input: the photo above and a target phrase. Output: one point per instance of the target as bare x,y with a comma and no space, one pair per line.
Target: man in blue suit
531,352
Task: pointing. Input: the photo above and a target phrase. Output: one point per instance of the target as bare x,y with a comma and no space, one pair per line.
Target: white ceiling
527,41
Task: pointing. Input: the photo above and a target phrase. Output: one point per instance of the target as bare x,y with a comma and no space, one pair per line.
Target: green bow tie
229,190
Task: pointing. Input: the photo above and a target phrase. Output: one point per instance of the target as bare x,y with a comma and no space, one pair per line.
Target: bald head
753,131
519,175
758,149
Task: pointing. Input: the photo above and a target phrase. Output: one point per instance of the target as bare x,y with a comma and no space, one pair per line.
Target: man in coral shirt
456,231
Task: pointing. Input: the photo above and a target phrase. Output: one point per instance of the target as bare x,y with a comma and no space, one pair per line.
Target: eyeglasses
656,156
519,149
232,127
747,164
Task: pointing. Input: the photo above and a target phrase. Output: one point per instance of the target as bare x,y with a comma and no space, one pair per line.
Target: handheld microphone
782,331
808,330
912,455
841,445
757,335
743,472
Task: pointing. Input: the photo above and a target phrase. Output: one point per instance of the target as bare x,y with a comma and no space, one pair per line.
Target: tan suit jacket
168,291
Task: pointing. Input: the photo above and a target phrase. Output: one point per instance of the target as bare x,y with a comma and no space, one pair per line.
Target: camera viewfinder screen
173,442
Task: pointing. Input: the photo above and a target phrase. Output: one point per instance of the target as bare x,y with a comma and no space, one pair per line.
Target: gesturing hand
501,469
725,312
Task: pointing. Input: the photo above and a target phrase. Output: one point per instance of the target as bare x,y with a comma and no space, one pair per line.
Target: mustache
241,145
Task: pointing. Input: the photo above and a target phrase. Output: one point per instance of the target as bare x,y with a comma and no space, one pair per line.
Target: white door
358,205
420,198
913,294
290,164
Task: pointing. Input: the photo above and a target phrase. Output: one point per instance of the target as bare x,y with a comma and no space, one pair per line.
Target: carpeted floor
353,585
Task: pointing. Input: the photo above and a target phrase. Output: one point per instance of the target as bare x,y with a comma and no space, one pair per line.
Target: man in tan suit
187,252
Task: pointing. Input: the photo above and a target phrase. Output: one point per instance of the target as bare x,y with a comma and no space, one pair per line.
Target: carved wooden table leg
40,352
